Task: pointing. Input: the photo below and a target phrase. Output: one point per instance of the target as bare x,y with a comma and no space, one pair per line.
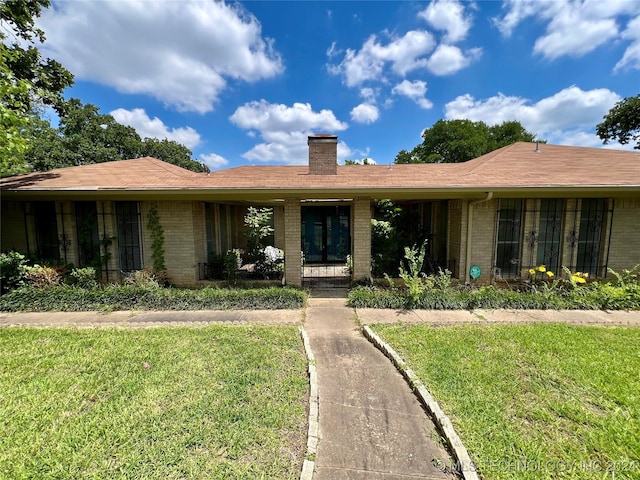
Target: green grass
215,402
534,401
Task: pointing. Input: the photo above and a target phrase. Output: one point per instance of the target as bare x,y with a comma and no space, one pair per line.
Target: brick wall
457,240
361,238
292,233
180,239
625,234
482,239
323,155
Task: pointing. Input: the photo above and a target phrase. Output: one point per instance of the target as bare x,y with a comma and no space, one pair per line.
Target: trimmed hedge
595,296
128,297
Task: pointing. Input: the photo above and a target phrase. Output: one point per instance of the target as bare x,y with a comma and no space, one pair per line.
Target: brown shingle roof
513,167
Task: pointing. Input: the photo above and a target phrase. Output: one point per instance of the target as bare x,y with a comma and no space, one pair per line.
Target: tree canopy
18,45
86,136
26,79
622,123
455,141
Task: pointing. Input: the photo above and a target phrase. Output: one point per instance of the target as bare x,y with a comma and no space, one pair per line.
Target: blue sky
245,83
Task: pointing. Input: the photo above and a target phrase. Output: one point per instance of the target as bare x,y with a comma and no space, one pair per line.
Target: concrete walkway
371,424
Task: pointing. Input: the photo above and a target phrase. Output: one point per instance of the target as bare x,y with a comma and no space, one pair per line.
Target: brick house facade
519,206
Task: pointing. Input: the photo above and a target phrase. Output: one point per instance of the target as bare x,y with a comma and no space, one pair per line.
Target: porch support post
278,226
361,238
292,233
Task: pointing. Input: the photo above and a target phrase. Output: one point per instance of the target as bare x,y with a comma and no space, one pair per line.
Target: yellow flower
542,268
532,271
578,279
550,274
585,275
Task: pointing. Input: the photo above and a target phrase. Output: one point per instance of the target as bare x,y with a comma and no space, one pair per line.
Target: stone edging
465,465
313,434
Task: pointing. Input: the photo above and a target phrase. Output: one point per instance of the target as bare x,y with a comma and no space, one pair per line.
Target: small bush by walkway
213,402
533,402
130,297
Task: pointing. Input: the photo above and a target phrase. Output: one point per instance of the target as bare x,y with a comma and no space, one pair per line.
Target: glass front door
325,234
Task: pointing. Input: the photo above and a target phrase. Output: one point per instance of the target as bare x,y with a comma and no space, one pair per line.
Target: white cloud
449,59
369,94
155,128
571,113
214,161
415,90
284,130
402,55
448,15
181,53
574,28
631,57
365,113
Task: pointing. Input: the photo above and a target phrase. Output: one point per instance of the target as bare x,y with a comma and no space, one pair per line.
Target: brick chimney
323,154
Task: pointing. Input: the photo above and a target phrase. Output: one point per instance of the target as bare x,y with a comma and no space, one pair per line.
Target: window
46,229
129,245
592,226
87,231
550,233
221,228
509,236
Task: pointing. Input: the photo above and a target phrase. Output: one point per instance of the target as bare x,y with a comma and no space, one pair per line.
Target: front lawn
214,402
534,401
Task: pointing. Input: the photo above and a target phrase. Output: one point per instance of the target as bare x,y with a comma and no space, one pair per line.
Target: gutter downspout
488,197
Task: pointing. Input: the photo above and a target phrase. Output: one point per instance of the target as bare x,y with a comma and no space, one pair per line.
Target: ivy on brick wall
157,239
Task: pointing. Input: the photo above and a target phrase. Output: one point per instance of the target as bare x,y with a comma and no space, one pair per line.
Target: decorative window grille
87,233
593,215
509,237
129,244
46,230
550,233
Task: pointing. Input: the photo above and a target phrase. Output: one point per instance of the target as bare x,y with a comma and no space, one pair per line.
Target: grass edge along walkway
533,401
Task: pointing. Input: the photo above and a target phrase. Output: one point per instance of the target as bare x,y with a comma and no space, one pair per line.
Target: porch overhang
279,194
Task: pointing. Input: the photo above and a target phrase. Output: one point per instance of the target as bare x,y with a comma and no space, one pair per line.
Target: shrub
84,277
42,276
12,271
413,279
132,297
144,279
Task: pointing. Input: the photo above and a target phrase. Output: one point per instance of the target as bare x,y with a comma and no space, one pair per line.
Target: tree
86,136
622,123
26,80
13,121
47,77
455,141
170,151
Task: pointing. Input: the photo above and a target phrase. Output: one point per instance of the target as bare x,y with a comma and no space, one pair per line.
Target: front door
325,234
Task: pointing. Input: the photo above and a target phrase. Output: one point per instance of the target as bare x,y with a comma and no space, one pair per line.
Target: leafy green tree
86,136
17,45
13,121
26,80
622,123
455,141
170,151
